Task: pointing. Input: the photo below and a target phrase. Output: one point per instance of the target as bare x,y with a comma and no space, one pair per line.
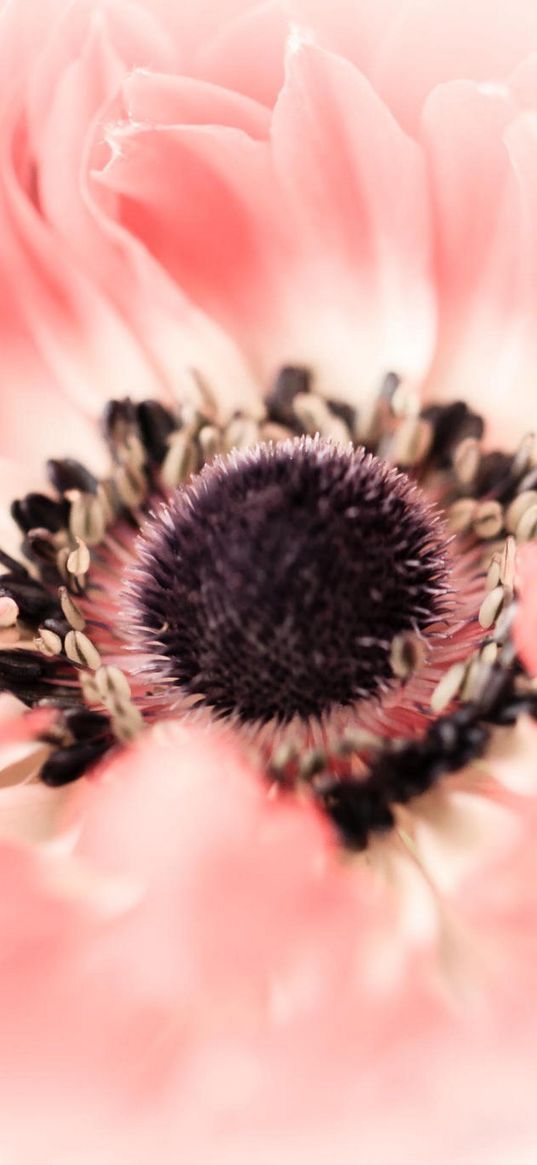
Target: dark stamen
156,424
38,510
360,807
66,764
290,381
70,474
33,601
451,424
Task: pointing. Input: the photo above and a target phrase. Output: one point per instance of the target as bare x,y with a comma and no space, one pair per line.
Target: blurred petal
479,41
233,58
359,184
213,226
168,100
483,258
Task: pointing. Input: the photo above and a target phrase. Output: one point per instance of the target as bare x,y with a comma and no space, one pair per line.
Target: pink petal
234,57
357,183
169,100
193,23
87,315
483,256
475,41
213,225
406,50
75,330
230,1003
355,29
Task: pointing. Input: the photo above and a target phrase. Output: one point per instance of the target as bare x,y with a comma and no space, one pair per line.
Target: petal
213,225
430,42
483,257
192,24
247,54
354,29
407,49
357,186
169,100
88,316
228,814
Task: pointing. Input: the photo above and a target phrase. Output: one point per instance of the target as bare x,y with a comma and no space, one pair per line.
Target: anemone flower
267,623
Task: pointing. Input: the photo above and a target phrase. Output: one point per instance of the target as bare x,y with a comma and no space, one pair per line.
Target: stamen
368,707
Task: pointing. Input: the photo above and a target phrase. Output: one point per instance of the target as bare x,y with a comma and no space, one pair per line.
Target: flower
211,247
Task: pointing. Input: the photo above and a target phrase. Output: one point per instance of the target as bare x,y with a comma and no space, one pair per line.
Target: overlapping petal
482,255
150,1017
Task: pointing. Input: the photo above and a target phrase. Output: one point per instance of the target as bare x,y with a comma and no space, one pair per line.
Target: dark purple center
273,585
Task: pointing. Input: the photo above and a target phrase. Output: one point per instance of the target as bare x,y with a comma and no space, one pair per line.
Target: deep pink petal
214,225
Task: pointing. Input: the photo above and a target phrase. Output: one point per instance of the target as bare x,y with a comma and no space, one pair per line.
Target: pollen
274,585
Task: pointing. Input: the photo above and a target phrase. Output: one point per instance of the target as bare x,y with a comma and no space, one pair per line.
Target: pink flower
241,217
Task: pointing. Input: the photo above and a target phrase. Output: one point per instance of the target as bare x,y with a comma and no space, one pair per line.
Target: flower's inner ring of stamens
59,615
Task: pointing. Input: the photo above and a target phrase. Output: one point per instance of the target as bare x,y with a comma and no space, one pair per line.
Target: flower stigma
274,585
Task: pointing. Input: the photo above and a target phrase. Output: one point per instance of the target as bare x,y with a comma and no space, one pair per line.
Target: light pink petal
354,29
483,258
247,54
87,316
31,388
63,124
523,83
357,183
243,242
171,334
214,1011
230,815
407,49
133,34
476,41
169,100
81,339
191,24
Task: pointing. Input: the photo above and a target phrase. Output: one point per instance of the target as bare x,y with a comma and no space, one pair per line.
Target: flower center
275,584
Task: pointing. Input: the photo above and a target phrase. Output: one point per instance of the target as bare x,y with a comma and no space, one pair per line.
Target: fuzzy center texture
273,585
